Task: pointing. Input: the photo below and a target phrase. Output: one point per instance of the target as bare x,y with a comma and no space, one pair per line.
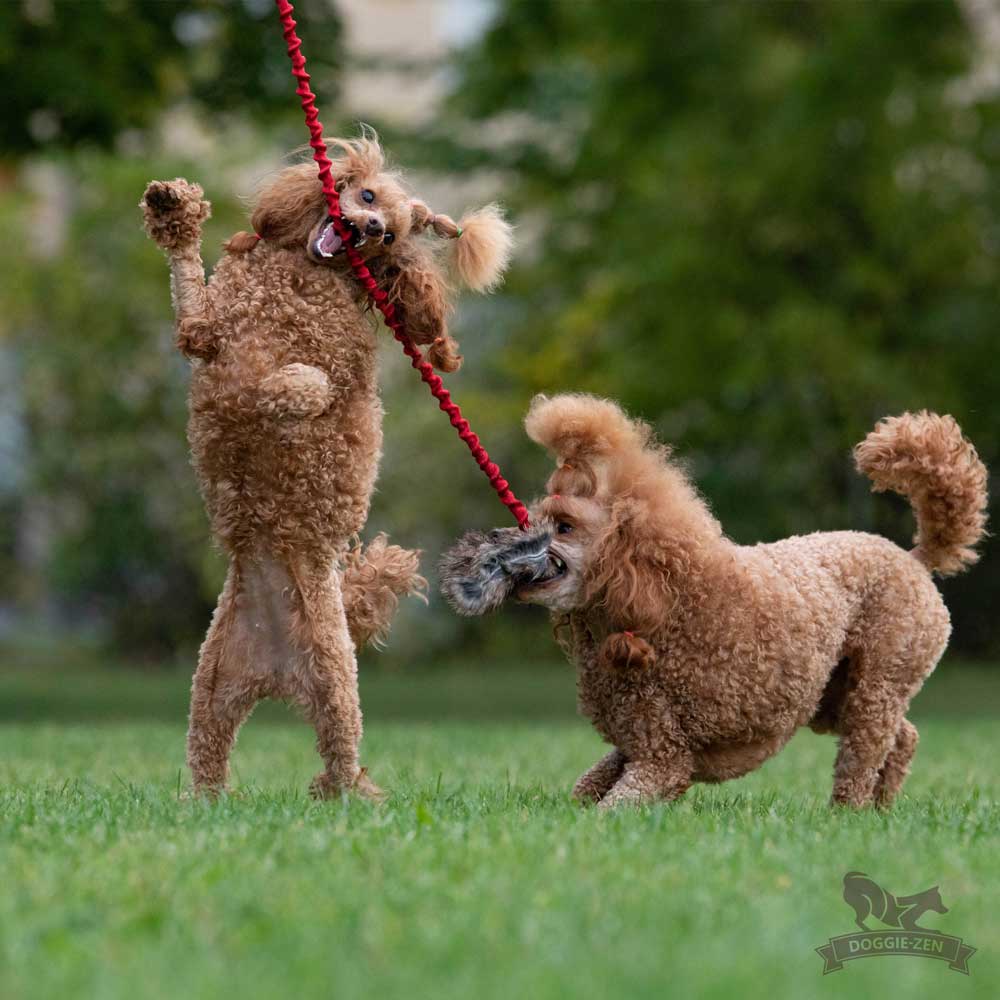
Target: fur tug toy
286,431
697,659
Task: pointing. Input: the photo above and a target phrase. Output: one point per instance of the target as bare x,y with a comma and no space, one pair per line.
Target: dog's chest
610,698
323,326
280,311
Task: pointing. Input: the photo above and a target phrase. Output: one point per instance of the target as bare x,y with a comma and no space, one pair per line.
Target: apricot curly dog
698,658
285,431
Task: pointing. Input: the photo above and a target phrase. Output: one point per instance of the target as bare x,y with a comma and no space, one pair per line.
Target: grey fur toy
483,569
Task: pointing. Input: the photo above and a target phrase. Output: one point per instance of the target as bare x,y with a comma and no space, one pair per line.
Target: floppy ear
483,248
288,208
636,571
415,285
482,242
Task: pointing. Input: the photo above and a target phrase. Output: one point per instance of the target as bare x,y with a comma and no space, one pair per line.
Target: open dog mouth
482,570
329,244
553,569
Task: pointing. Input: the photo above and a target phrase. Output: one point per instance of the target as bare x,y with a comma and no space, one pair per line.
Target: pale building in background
395,50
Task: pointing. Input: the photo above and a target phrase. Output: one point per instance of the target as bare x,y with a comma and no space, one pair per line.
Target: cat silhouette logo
900,913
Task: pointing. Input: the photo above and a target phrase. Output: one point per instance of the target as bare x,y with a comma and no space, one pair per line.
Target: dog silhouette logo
870,901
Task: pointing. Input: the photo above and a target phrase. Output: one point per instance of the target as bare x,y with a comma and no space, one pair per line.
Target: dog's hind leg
326,685
867,733
897,764
887,668
220,703
882,679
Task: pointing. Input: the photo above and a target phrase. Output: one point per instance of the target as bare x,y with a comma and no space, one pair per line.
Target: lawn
479,878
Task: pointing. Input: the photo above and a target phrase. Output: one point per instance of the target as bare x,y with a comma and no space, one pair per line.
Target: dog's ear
289,207
483,248
482,244
414,283
637,569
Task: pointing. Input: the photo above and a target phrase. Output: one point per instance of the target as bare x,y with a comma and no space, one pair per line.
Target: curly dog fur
698,658
286,430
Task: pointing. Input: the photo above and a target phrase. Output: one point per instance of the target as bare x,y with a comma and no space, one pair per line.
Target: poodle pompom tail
925,458
482,252
376,576
578,424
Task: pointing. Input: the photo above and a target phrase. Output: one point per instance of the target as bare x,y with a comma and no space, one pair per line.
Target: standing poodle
698,658
286,431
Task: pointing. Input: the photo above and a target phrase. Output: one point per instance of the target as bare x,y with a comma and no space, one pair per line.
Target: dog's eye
563,528
388,238
368,196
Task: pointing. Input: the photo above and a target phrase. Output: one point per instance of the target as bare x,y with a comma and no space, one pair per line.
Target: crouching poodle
286,431
697,659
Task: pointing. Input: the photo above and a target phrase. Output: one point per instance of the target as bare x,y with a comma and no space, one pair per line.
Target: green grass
479,878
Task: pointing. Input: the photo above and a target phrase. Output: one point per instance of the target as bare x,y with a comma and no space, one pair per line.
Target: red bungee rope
490,469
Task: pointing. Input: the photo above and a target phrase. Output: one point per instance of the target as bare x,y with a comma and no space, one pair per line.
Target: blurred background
760,226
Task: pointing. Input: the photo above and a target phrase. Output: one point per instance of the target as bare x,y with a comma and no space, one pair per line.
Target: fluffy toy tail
926,459
376,576
482,251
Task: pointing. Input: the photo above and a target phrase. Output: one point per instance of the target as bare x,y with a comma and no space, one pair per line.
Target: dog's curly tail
925,458
376,576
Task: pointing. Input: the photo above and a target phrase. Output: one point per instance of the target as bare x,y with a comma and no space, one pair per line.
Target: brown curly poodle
698,658
286,431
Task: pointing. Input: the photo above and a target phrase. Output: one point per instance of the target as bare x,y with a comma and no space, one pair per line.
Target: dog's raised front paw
174,211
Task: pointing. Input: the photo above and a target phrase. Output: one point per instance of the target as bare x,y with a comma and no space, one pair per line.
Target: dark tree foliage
762,226
74,72
104,525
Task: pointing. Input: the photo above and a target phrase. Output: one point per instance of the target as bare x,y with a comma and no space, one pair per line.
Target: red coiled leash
490,469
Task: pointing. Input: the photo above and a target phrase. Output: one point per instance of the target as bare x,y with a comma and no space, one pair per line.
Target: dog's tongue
329,243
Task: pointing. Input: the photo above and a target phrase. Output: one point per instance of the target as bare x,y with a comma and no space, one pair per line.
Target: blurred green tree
762,226
103,524
84,73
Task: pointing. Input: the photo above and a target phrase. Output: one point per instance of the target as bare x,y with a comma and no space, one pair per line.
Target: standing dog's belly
290,485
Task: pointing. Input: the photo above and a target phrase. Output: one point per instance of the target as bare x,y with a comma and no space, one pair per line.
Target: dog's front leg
664,774
173,213
595,783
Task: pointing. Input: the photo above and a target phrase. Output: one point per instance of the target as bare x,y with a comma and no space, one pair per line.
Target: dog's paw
174,211
161,197
623,651
325,787
587,791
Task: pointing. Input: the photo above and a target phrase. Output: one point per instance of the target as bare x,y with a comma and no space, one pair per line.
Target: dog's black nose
374,227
